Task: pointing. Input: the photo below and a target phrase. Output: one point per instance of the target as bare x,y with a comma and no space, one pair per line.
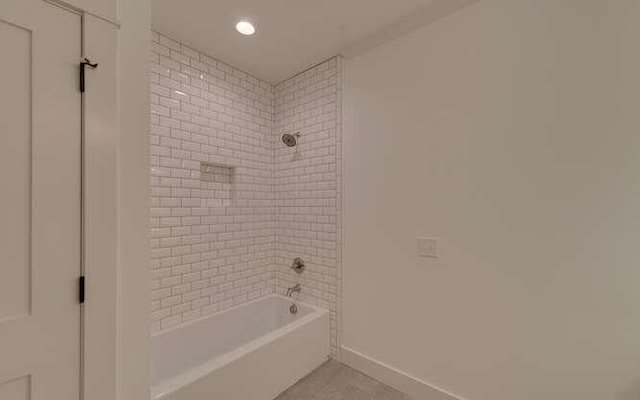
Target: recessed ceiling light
245,27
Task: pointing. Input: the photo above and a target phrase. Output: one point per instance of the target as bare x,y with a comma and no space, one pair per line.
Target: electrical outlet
428,247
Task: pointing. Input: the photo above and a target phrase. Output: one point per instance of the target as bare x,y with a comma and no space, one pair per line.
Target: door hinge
83,64
81,290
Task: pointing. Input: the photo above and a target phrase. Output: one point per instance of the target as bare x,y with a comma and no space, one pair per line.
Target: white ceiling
292,35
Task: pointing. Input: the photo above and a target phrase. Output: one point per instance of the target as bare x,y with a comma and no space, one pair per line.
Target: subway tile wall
231,205
308,187
212,236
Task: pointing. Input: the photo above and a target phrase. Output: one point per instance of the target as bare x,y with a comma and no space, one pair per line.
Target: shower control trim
298,265
290,140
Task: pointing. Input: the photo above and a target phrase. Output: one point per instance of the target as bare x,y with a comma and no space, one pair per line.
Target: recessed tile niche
217,180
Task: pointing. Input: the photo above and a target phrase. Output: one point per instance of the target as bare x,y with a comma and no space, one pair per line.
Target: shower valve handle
298,265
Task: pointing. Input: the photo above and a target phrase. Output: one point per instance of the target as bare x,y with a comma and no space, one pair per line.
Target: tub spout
294,289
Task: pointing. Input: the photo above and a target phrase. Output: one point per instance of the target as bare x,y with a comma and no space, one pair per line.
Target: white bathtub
249,352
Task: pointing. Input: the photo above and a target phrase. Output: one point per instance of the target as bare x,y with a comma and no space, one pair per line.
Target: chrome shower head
290,139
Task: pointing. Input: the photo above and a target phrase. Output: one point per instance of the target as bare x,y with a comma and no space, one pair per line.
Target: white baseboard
414,387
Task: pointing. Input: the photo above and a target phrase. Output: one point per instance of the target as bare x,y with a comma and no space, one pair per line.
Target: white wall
510,130
133,200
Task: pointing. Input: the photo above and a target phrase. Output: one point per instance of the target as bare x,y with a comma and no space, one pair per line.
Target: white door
39,201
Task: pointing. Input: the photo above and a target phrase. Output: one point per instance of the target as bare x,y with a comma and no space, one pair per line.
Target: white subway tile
220,244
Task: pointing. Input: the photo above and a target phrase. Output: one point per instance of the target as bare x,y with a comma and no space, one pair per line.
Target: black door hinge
83,64
81,290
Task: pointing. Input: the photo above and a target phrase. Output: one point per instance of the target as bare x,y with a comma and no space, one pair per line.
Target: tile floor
335,381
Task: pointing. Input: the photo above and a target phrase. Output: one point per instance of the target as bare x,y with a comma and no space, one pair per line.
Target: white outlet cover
428,247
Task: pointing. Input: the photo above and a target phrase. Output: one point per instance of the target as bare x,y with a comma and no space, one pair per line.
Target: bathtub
250,352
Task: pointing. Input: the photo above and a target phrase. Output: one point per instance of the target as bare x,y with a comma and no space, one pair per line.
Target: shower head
290,139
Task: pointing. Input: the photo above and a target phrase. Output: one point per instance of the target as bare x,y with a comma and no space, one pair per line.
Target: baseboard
414,387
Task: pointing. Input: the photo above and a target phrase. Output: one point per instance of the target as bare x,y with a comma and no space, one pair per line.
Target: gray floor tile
335,381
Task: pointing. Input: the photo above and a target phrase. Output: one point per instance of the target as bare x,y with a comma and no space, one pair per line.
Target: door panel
15,172
39,201
17,389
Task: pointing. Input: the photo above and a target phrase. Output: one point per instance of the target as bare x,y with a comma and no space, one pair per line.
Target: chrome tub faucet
294,289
